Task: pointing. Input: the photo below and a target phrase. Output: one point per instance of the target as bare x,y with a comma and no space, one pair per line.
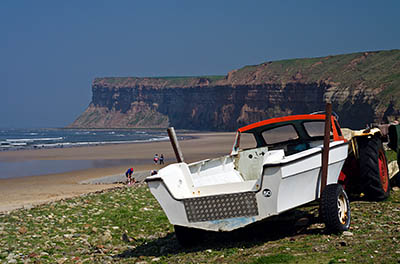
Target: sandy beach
32,190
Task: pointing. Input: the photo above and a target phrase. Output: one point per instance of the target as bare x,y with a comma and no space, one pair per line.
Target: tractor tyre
374,175
334,208
188,237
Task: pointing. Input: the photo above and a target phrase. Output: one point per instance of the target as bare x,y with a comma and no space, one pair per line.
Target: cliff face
363,88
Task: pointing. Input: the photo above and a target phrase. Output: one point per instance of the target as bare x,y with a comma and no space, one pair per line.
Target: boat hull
283,184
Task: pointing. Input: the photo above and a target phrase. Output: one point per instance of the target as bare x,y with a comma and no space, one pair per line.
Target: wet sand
33,190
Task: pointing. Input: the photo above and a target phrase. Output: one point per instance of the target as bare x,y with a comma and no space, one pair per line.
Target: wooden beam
325,151
175,144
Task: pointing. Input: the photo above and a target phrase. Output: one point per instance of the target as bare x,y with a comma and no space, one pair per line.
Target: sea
15,139
21,139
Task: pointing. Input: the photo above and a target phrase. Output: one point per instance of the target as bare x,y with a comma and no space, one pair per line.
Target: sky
50,51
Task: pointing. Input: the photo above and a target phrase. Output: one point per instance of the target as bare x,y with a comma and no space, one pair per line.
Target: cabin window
280,134
315,128
247,141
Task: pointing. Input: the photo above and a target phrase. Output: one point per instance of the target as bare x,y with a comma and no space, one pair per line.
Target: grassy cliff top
372,67
369,69
375,73
166,81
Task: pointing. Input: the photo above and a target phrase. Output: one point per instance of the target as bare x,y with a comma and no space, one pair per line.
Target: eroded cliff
363,88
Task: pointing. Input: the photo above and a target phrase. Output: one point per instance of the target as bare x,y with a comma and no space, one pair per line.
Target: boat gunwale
269,165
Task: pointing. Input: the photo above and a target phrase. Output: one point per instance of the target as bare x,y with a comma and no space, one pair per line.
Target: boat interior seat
249,163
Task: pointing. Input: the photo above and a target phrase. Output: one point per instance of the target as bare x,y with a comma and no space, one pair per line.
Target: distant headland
363,87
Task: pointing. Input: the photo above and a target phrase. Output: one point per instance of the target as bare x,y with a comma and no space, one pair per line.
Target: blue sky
50,51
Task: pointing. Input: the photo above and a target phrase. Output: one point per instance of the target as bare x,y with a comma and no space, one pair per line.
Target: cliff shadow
356,115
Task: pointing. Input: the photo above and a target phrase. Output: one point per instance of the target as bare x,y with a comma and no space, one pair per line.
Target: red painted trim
336,136
343,180
383,171
321,117
281,119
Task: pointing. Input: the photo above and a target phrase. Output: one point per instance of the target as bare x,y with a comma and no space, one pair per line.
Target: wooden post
325,151
175,145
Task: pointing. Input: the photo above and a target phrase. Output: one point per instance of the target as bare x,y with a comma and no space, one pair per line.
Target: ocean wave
11,140
4,144
111,142
66,139
18,144
82,133
158,139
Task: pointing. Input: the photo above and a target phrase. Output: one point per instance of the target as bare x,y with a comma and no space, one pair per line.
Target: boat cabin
290,133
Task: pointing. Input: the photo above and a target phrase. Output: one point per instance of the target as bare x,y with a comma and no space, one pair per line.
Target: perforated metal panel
221,206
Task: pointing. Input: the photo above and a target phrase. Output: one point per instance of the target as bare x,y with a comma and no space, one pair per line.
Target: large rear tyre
188,237
374,175
335,208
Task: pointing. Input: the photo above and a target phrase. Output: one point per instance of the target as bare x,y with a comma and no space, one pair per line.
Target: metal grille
220,206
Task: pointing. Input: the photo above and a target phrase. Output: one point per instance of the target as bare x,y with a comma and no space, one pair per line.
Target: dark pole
175,145
325,151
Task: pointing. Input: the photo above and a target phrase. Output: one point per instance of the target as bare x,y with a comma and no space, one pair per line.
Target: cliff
363,88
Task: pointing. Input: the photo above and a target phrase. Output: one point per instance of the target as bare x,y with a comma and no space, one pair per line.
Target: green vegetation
372,67
373,78
271,259
148,117
376,73
93,117
391,155
209,77
374,70
126,225
163,80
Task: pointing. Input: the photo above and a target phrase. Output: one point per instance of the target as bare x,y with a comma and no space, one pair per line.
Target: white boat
281,172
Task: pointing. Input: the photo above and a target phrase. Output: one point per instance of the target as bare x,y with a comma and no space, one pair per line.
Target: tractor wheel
335,208
374,175
188,237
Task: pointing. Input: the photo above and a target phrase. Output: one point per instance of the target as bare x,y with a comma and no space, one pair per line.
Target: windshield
315,128
280,134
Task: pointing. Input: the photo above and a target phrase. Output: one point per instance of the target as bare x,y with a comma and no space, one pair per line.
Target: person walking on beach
128,175
162,159
155,159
